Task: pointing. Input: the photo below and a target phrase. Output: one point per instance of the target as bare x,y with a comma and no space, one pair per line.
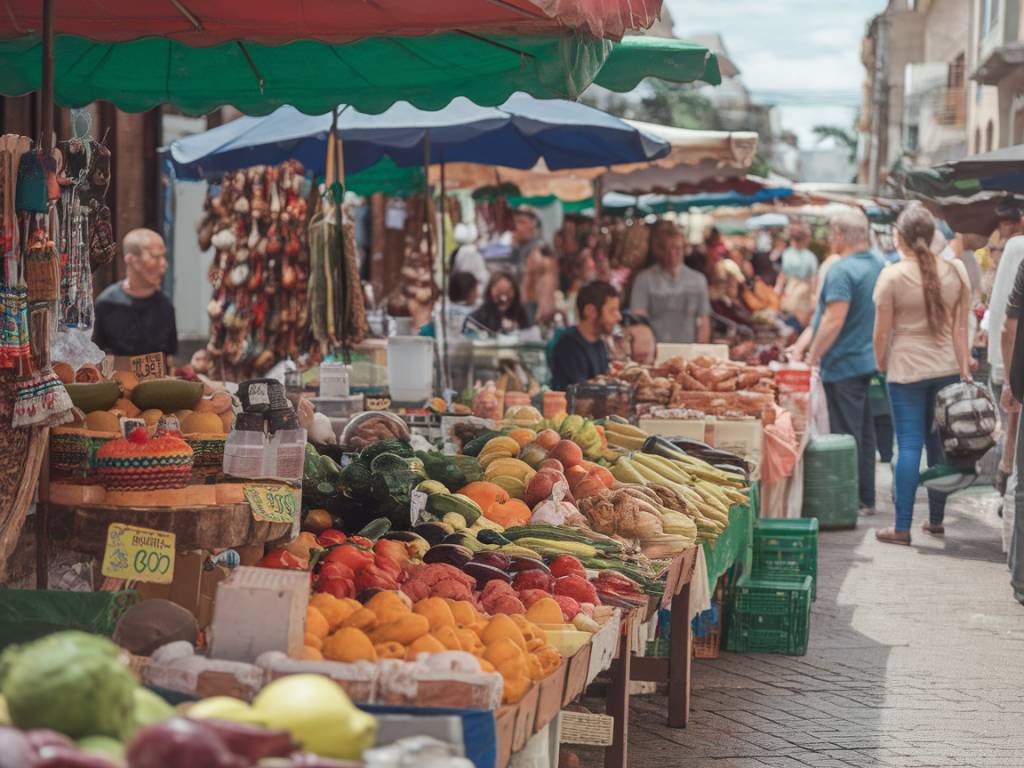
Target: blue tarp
516,134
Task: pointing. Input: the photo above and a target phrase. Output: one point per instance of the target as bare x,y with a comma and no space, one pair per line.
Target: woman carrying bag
920,344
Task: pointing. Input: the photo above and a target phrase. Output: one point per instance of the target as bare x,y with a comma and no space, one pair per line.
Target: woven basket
73,449
207,450
707,647
586,728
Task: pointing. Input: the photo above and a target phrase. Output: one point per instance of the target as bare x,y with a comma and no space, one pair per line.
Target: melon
127,380
103,421
151,416
202,424
127,408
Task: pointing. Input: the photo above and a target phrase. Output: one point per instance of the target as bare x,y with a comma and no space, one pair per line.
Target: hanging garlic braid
916,227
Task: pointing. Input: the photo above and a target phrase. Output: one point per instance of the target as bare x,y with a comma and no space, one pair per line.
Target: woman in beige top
920,343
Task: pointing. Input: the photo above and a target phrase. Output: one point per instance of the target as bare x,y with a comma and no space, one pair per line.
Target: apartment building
995,66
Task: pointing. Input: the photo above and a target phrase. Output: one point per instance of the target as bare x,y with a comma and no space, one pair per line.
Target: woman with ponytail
920,344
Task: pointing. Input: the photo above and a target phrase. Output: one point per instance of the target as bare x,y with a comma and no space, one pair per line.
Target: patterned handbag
42,268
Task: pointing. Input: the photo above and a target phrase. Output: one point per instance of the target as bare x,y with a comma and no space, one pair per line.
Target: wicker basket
586,728
207,450
707,647
73,449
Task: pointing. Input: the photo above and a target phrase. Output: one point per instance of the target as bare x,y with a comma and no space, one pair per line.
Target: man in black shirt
1012,343
133,317
581,353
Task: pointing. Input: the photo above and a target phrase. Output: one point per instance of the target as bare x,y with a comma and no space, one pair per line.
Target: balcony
950,107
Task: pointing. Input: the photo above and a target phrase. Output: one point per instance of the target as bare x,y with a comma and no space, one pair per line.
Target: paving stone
913,662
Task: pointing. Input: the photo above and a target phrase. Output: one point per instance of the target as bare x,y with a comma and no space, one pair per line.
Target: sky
801,54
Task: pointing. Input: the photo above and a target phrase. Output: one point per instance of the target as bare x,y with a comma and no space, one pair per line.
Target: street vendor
133,316
581,353
671,295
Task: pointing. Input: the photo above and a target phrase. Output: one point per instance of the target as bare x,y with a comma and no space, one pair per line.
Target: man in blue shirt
581,353
844,321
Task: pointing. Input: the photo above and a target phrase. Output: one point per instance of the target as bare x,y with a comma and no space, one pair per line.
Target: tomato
331,537
352,556
335,570
566,565
281,558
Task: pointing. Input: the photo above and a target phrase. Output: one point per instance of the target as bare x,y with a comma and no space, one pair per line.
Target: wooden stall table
675,669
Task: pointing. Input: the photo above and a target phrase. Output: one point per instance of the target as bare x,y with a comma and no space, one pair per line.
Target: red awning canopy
210,22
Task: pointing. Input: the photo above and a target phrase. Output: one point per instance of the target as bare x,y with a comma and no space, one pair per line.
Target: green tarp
735,545
370,74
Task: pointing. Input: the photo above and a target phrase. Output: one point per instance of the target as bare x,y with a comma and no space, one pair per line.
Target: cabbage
71,682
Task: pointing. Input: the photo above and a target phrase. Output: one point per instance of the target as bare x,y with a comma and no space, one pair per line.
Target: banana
510,467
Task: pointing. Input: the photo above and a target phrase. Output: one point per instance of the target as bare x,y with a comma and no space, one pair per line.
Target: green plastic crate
770,616
830,481
786,549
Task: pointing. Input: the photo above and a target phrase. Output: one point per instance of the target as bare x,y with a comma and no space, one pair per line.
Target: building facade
915,104
996,70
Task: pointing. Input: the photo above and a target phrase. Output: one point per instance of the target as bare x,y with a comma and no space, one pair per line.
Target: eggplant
528,564
451,554
364,596
689,446
485,573
497,559
434,533
659,446
487,536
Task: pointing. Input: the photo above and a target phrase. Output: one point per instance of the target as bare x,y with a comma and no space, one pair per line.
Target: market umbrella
369,75
211,22
518,133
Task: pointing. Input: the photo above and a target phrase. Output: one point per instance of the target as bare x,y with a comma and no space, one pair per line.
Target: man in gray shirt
673,297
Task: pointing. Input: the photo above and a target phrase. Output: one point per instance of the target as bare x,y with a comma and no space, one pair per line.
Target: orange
312,641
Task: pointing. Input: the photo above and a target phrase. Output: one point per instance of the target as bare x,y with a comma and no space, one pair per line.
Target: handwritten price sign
138,554
272,504
150,366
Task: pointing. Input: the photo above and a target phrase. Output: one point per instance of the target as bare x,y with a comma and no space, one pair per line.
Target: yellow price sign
271,503
138,554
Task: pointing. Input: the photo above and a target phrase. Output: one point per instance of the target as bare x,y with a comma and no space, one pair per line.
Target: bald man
133,317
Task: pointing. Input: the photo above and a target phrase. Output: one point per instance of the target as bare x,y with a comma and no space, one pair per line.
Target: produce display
713,387
70,701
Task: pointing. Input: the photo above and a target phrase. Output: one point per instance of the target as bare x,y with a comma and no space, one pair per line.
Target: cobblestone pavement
916,659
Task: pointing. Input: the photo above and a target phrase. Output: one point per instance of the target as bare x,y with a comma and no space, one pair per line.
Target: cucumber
439,505
474,446
376,529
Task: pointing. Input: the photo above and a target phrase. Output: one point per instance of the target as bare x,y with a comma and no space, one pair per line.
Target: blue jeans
913,414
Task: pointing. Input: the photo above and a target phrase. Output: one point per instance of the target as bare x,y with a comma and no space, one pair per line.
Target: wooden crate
552,689
526,716
604,646
576,675
504,730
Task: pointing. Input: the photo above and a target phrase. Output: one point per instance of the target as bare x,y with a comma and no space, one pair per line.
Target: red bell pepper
566,565
360,541
335,570
281,558
578,588
375,577
340,588
388,566
352,556
533,579
330,537
395,551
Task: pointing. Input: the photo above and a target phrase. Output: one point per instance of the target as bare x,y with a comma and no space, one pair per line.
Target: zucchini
376,529
474,446
441,504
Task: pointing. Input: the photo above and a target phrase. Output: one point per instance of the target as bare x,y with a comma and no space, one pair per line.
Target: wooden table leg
42,516
680,654
617,706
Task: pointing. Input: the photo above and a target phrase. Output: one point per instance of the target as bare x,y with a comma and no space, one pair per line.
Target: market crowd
889,316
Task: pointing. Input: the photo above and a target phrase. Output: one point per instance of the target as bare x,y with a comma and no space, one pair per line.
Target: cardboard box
259,610
665,352
691,429
744,437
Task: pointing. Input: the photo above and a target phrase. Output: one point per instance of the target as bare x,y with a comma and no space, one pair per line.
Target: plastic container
411,368
246,447
334,380
554,404
786,550
770,616
830,481
286,452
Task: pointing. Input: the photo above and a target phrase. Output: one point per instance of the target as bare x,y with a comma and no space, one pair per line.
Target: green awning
387,178
371,74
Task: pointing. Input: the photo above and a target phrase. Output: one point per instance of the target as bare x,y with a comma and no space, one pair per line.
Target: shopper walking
672,296
920,344
1012,346
841,345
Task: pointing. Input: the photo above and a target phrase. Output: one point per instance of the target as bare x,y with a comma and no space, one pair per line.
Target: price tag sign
271,503
418,503
138,554
150,366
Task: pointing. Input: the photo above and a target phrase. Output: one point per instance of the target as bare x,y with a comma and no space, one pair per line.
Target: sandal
936,529
892,536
